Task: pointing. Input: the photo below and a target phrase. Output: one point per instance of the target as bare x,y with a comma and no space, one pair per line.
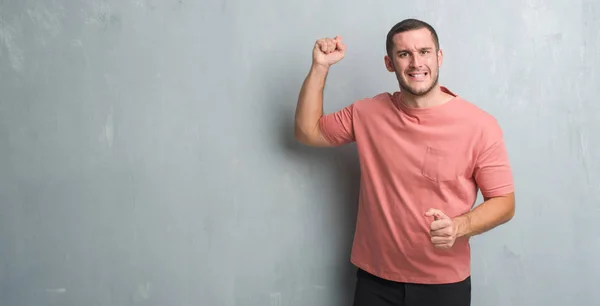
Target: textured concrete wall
148,155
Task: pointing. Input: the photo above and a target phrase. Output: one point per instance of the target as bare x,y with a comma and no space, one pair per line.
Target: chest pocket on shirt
441,165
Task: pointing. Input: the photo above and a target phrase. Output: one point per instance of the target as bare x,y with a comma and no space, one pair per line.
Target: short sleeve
492,171
337,127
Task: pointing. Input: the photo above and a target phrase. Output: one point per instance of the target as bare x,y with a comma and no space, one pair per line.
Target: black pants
374,291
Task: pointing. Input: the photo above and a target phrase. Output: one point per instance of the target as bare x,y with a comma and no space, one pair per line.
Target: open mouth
418,75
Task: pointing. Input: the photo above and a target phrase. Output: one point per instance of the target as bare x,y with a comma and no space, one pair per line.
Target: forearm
309,108
490,214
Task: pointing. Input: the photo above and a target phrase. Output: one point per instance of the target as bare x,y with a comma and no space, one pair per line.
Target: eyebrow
420,49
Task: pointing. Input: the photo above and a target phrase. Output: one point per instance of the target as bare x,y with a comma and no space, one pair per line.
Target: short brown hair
408,25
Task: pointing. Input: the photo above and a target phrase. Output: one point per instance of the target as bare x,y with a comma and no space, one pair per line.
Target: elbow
305,133
505,207
509,215
299,135
509,201
511,212
309,136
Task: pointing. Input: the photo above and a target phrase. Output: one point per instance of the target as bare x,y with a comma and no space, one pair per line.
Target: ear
440,58
388,64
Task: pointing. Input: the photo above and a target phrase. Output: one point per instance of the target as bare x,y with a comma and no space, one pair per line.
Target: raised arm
309,108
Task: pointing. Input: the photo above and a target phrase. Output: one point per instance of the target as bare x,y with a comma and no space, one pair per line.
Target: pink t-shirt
413,159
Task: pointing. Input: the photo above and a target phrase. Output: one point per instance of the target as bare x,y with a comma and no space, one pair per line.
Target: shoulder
479,117
486,128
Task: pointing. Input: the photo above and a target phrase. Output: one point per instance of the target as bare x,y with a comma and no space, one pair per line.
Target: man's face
415,60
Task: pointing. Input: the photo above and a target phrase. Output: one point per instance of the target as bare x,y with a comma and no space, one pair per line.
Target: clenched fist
328,51
442,229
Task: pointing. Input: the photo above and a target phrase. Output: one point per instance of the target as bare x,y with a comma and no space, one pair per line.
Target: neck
433,98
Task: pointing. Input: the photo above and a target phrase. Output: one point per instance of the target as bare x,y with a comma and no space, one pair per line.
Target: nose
415,61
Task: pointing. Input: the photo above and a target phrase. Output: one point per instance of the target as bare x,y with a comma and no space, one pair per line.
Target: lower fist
442,230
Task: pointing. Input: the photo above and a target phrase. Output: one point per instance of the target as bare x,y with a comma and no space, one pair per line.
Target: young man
424,153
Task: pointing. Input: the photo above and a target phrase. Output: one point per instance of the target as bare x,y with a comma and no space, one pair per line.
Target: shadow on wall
334,171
